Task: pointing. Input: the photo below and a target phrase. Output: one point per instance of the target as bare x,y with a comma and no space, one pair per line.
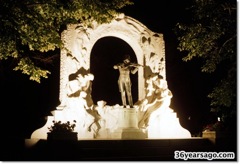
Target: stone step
102,150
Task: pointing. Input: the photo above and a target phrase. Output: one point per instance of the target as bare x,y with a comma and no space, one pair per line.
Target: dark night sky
28,103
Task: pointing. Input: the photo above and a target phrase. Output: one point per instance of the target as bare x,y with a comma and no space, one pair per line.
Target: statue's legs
129,94
125,88
123,96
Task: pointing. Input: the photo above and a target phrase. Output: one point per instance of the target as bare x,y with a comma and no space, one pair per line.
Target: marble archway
79,40
114,121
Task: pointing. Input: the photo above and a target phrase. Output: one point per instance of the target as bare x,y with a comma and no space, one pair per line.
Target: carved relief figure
109,116
80,103
80,47
151,59
158,97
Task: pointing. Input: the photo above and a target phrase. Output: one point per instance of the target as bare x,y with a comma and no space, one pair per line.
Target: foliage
29,29
58,126
211,38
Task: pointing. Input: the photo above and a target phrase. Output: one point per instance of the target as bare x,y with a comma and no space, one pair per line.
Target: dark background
26,104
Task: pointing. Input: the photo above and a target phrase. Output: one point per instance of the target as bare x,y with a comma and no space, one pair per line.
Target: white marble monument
151,116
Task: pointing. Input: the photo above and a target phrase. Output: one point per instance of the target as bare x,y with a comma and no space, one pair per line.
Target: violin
135,65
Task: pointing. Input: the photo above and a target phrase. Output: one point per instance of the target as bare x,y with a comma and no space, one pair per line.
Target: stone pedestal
218,136
211,135
129,133
128,125
128,118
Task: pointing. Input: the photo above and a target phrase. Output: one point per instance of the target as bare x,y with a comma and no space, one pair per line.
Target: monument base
128,118
128,125
129,133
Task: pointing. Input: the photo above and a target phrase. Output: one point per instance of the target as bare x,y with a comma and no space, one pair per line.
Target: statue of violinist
124,81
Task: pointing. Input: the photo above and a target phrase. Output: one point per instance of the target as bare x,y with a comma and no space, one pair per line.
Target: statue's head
126,58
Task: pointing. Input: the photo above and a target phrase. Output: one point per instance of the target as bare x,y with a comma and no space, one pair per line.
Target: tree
30,30
211,38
